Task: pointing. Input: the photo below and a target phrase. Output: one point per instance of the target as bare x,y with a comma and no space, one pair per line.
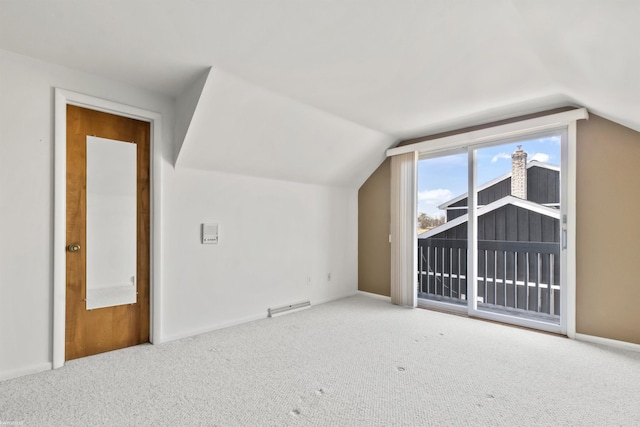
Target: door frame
62,99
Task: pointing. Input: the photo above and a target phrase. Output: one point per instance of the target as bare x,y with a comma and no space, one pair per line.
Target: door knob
74,247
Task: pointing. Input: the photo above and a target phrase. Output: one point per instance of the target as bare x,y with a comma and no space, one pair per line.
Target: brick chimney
519,173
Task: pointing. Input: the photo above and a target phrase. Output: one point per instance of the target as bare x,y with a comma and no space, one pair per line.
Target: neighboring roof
507,200
530,164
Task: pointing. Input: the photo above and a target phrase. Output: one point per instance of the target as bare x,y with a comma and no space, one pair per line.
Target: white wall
273,234
273,237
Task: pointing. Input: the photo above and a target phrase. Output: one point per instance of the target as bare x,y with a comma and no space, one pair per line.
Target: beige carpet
355,362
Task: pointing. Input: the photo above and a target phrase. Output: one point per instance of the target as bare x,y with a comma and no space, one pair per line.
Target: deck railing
520,276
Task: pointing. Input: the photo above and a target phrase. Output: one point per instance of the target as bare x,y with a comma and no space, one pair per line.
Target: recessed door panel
108,224
111,223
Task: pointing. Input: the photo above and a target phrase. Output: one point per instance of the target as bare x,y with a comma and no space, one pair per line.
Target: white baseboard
200,331
608,342
33,369
376,296
318,301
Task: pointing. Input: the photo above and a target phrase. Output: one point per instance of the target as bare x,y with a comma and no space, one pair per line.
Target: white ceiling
314,91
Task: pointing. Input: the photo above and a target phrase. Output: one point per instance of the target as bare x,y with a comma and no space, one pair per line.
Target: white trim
509,130
624,345
518,321
442,305
539,164
442,153
199,331
488,315
33,369
568,204
62,98
530,164
324,300
59,229
506,200
472,231
376,296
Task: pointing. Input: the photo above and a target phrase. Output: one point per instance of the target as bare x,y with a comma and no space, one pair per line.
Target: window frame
564,123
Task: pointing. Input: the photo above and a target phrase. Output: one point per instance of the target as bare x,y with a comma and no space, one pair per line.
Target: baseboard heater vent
277,311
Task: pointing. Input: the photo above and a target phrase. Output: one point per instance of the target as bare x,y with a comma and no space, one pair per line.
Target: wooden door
104,329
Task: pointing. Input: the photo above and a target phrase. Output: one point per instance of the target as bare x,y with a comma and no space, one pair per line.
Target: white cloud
550,139
541,157
429,200
500,156
437,196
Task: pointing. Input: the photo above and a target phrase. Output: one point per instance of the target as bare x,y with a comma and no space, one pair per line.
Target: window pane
442,233
518,216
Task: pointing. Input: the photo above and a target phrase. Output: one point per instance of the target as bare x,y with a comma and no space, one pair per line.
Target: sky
443,178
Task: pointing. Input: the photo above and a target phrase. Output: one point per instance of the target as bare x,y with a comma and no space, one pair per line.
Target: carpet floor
359,361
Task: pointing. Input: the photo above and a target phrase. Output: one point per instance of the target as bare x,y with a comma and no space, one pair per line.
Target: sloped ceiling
315,91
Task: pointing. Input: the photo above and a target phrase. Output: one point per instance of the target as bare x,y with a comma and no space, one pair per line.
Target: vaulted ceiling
315,91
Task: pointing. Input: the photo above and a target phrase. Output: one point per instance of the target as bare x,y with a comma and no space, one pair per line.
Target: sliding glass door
491,230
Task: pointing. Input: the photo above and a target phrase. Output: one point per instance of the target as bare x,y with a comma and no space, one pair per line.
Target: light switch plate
209,234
